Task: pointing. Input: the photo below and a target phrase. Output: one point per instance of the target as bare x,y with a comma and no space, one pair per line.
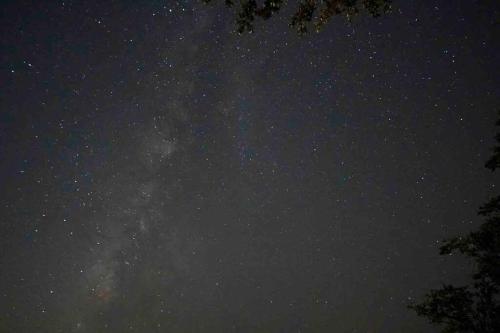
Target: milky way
161,173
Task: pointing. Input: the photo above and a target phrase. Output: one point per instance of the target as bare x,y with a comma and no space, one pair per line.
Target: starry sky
161,173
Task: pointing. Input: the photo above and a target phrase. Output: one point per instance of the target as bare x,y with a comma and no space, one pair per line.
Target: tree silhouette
309,12
476,307
494,161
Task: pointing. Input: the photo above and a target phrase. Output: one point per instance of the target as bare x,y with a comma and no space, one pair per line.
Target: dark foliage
476,307
494,161
308,12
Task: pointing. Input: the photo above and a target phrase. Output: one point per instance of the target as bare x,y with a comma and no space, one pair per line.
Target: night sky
161,173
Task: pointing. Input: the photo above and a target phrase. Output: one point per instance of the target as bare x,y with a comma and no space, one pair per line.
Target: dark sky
160,173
